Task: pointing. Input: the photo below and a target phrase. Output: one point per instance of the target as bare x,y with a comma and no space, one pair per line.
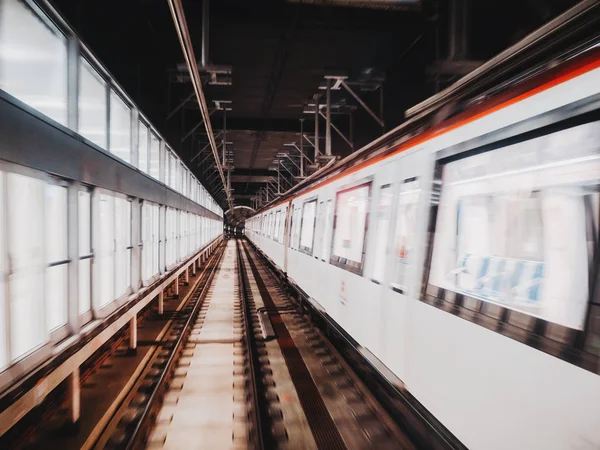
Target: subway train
463,256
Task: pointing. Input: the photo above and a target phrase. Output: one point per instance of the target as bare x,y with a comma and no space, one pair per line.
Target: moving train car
463,255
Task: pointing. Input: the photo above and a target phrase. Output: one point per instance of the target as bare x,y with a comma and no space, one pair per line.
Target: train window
182,250
289,230
296,229
150,212
184,181
33,60
84,221
307,228
25,244
382,225
143,147
319,230
104,251
516,225
404,236
326,231
92,104
277,220
172,180
3,309
171,237
350,226
56,256
154,160
122,244
270,226
282,225
266,225
120,127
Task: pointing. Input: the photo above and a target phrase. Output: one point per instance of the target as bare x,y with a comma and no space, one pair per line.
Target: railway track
130,425
238,366
259,381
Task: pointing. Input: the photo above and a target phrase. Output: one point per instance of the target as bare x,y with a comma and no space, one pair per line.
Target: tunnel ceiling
279,53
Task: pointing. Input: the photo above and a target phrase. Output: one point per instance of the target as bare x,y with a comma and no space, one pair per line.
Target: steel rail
262,435
138,436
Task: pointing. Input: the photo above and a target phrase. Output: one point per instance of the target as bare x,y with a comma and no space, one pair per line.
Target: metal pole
301,153
340,133
224,136
351,128
278,176
328,119
229,179
185,40
133,334
302,148
205,32
74,397
381,105
292,161
309,141
316,127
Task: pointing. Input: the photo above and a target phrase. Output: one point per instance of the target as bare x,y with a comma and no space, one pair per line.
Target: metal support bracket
342,135
189,133
362,103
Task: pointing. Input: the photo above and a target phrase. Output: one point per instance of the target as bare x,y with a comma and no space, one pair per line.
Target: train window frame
116,97
61,331
282,221
577,346
296,222
383,236
319,220
395,285
353,266
85,253
289,230
271,225
35,355
327,229
87,64
302,248
277,225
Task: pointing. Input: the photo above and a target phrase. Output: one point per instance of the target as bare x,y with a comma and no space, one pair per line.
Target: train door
410,194
377,254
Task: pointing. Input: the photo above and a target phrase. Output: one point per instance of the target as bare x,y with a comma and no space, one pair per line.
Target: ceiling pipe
374,4
185,40
205,32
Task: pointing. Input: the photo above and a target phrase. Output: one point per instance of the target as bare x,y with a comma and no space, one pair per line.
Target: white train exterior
489,320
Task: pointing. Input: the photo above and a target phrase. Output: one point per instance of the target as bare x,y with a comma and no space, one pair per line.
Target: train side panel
492,391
